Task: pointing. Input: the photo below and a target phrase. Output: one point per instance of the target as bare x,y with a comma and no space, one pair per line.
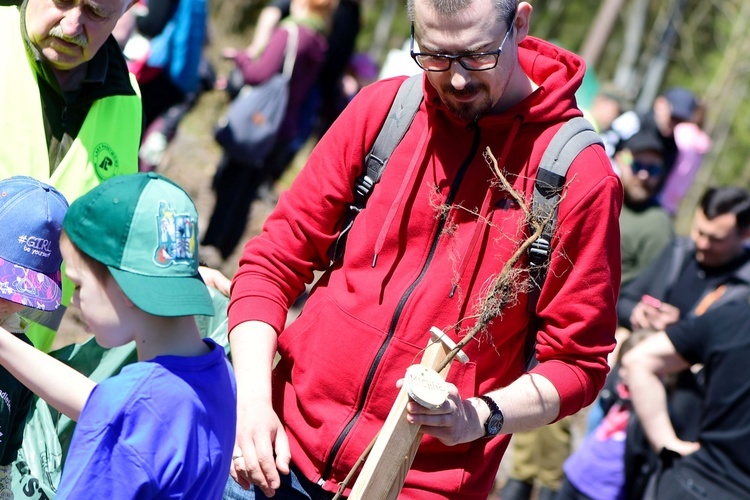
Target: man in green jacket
71,111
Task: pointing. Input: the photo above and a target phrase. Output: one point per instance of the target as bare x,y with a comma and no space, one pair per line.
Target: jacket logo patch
105,161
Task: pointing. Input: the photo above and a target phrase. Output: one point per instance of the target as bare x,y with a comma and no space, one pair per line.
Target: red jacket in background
363,325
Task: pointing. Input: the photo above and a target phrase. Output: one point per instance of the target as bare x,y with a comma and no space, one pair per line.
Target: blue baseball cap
31,216
682,103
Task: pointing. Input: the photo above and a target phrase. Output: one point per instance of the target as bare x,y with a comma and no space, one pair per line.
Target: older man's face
69,32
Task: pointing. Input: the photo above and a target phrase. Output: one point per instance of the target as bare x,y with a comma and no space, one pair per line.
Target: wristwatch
494,423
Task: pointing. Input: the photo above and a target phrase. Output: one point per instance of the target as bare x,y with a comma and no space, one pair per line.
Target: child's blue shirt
160,429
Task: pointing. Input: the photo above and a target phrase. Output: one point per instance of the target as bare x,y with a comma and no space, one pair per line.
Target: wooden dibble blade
384,472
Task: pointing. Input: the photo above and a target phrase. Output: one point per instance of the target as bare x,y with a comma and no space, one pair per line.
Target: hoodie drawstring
405,183
482,223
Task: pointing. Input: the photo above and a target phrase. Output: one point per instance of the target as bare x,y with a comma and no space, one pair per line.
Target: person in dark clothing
713,264
328,97
674,106
237,180
715,463
691,276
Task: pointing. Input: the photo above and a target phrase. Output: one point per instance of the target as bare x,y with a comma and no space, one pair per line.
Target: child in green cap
164,426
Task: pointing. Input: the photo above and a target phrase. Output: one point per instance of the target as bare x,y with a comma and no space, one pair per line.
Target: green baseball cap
144,228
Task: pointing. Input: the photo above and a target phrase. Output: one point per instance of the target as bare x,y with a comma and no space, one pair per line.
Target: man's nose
459,75
72,22
702,242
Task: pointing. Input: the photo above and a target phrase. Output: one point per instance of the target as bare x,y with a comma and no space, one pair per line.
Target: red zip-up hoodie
438,228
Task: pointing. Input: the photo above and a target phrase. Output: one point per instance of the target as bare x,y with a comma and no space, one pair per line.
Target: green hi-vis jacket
107,144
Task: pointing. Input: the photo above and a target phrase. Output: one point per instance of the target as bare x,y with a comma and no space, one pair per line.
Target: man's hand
260,438
684,448
454,422
653,314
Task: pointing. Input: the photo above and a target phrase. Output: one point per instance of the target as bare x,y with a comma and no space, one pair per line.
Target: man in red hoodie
436,230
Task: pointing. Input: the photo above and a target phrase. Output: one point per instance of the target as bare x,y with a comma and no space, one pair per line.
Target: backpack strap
397,122
573,137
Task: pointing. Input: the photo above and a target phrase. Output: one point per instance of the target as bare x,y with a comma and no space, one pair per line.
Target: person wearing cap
71,113
645,228
676,105
164,426
31,217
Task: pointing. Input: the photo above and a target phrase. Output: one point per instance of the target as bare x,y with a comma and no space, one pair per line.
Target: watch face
494,424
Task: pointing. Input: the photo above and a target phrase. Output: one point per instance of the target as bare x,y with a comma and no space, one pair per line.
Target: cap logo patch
36,246
177,238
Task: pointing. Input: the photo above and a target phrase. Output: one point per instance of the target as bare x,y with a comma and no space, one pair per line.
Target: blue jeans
294,486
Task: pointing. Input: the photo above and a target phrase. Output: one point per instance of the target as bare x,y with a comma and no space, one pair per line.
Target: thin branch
502,291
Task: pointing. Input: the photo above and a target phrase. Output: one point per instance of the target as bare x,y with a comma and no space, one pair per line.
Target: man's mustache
81,40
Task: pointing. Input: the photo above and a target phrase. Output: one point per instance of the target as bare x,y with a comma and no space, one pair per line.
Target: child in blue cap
31,216
164,426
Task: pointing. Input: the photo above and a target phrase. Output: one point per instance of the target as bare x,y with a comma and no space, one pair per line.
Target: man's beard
468,111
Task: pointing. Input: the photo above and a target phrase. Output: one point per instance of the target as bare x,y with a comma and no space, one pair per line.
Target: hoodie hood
557,73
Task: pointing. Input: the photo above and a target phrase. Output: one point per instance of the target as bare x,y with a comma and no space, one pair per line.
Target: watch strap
494,412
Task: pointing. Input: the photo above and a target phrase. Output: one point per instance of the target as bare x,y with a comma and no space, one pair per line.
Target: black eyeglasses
652,169
472,61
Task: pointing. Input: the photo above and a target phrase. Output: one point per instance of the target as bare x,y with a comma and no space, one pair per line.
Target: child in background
164,426
596,470
31,217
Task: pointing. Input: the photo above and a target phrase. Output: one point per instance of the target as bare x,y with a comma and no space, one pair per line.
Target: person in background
165,74
71,114
164,426
237,181
691,276
645,228
676,105
436,230
714,463
163,43
329,97
694,273
609,103
537,460
692,145
596,468
31,215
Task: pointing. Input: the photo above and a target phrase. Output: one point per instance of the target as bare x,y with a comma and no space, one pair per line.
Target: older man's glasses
472,61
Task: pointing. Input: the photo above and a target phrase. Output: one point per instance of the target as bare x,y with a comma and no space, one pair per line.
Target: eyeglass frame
458,58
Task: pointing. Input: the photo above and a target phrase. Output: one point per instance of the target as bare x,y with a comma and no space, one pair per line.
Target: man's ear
522,20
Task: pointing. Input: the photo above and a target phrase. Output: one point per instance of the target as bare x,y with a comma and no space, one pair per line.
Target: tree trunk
626,75
597,37
657,66
728,89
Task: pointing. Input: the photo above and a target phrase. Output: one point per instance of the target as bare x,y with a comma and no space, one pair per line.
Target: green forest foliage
709,56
